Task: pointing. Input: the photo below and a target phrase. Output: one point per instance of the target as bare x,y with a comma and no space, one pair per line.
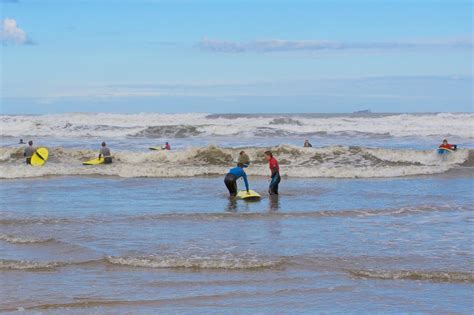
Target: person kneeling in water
105,153
231,178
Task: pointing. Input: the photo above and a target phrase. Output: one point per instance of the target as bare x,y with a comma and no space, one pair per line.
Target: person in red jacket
446,145
275,169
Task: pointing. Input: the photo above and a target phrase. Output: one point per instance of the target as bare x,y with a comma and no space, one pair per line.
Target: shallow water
85,244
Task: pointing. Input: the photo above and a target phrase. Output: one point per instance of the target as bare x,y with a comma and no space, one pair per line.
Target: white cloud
10,33
278,45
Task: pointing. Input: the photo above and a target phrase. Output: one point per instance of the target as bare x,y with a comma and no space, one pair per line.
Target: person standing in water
231,178
244,159
307,144
29,151
275,169
105,153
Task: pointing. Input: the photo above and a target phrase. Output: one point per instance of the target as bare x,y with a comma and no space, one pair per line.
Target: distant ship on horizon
365,111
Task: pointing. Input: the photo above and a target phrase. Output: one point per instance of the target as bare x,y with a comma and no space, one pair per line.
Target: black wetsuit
230,181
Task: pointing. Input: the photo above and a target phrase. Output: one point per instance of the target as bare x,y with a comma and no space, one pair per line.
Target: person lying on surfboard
446,145
275,177
244,159
29,151
105,152
231,178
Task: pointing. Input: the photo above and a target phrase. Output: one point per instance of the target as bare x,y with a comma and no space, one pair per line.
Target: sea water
367,221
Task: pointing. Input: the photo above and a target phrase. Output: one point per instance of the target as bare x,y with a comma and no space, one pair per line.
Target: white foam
22,240
335,161
121,125
226,261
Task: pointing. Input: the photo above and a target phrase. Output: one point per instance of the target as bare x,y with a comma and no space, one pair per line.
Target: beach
369,220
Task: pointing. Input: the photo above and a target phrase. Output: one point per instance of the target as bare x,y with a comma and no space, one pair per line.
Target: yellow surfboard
155,148
40,157
251,195
94,161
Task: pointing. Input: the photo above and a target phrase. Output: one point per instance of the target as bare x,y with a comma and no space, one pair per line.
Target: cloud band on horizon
280,45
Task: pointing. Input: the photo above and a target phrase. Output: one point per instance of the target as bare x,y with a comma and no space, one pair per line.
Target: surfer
446,145
21,142
244,159
231,178
167,146
275,169
105,152
307,144
29,151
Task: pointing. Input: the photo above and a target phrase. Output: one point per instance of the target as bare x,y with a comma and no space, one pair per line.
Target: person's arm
246,181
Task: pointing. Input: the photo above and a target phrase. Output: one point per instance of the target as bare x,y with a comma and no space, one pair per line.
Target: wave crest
435,276
228,262
334,161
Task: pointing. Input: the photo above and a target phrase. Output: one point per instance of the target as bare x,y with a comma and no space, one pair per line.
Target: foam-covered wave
334,161
155,125
24,240
7,264
434,276
228,261
224,261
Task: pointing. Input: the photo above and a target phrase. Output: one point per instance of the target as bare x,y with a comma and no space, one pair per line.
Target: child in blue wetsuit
231,178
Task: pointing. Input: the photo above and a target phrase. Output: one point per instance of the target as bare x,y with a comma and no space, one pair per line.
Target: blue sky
236,56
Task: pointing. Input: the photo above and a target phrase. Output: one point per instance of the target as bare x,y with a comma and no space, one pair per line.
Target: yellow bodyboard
252,194
155,148
94,161
40,157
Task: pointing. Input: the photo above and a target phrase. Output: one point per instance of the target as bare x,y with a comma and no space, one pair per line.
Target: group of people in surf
243,162
103,153
233,175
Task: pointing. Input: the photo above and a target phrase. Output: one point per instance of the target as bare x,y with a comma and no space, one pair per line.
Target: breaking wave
7,264
23,240
155,125
334,161
434,276
227,262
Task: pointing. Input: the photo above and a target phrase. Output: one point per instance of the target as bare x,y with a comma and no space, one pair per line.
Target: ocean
369,220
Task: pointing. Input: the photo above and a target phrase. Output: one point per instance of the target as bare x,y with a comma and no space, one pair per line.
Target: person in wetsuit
105,153
244,159
275,176
231,178
307,144
167,146
446,145
29,151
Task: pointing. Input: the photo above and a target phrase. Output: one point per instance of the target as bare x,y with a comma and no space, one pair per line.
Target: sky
235,56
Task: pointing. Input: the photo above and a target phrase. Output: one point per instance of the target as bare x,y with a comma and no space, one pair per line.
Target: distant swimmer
29,151
307,144
231,178
167,146
105,153
244,159
275,169
446,145
21,142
